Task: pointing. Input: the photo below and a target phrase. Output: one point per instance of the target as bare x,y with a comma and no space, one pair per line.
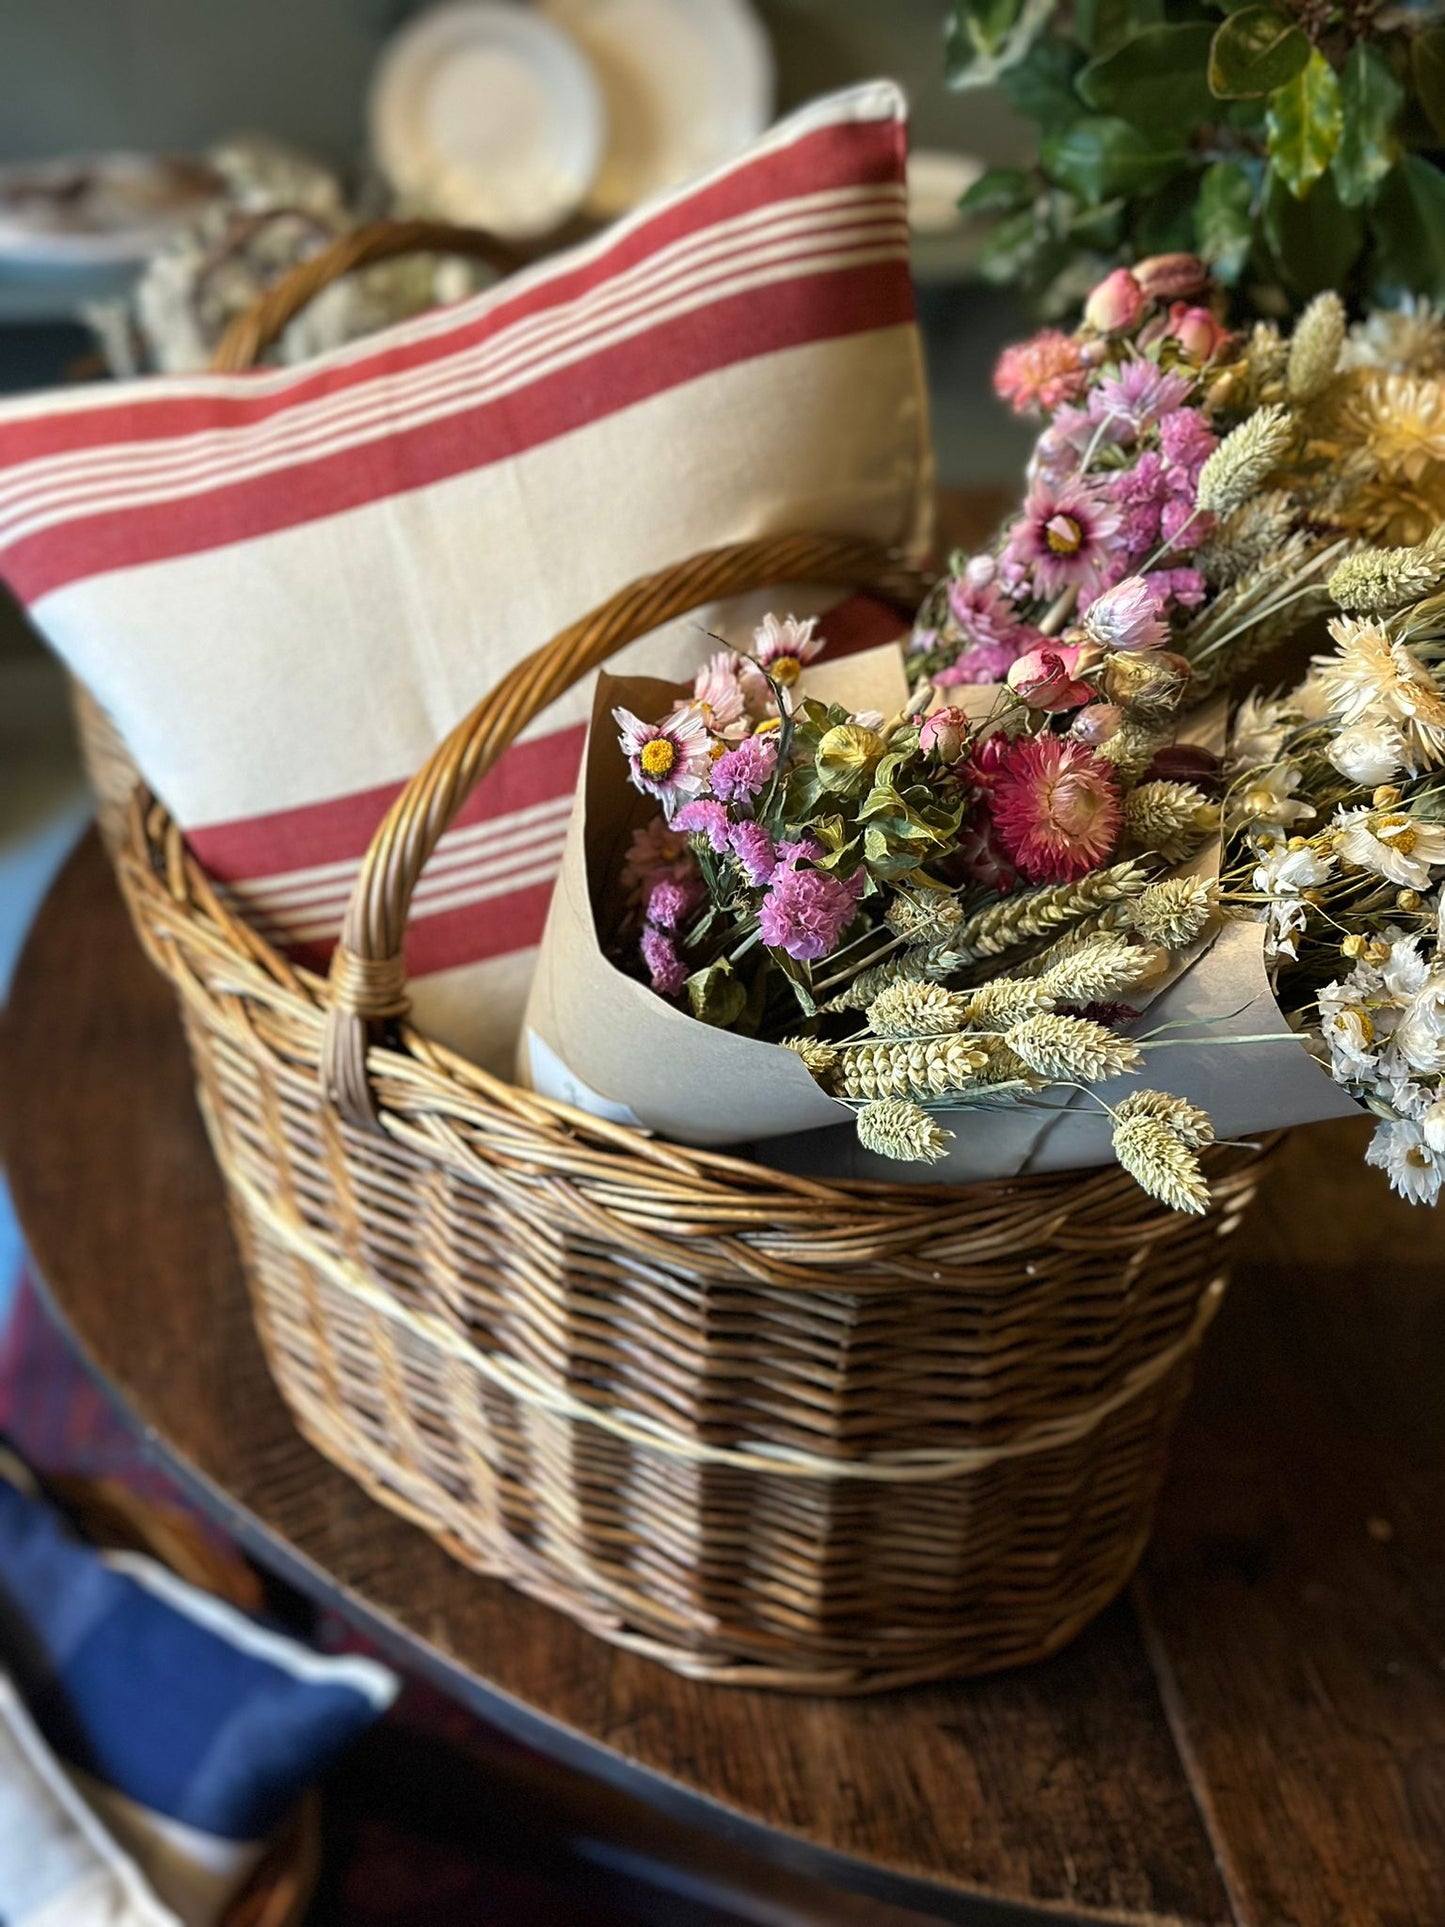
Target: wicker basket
110,769
828,1437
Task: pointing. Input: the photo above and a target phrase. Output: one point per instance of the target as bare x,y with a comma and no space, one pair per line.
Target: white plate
487,115
688,83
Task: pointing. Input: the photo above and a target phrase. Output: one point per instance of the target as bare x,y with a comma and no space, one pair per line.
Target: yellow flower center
1064,535
1399,832
785,671
658,758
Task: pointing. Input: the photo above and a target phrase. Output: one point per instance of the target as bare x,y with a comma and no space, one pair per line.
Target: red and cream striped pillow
287,586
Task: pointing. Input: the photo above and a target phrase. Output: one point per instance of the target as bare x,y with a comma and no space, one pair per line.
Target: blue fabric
180,1703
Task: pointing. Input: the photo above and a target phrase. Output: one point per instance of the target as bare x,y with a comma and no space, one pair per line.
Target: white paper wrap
600,1040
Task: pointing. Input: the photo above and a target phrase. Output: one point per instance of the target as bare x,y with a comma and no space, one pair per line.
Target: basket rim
156,863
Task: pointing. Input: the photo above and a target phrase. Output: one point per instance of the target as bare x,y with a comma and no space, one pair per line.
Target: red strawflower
1055,808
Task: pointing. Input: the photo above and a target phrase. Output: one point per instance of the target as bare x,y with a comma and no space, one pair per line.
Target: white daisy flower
1267,802
1284,875
1349,1031
1432,1126
1373,678
1392,844
1419,1037
1399,1148
1369,753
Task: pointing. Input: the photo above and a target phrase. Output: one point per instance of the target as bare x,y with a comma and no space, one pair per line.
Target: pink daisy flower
1138,394
670,759
1055,807
1064,537
718,693
784,646
806,911
1037,375
657,850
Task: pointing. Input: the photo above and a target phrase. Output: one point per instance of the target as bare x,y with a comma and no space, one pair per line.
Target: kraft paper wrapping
600,1040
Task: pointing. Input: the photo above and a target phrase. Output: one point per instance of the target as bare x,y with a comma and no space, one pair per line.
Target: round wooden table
1256,1735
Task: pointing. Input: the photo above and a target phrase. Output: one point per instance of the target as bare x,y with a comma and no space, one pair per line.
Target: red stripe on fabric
864,153
340,829
738,328
474,933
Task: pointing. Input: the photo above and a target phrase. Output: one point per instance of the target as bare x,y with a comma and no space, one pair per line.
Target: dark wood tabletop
1256,1735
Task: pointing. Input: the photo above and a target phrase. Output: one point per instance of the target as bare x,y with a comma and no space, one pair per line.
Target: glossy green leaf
1315,241
1097,158
1041,85
1408,224
1305,119
1156,80
1255,50
999,190
1427,75
1371,99
1164,222
1224,218
1011,250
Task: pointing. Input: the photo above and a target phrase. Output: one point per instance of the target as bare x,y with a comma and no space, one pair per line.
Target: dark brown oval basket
828,1437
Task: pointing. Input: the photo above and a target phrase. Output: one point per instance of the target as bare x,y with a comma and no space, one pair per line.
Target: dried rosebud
1117,304
1187,763
1096,723
944,734
1045,678
1197,331
1169,277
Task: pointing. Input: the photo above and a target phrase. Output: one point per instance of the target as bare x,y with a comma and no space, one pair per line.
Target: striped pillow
287,586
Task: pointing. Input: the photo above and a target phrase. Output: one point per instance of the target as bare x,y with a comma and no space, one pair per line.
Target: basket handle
251,334
367,979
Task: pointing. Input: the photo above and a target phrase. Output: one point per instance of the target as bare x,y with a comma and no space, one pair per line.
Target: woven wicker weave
828,1437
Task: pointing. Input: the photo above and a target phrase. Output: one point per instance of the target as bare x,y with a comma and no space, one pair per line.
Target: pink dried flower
979,858
984,661
806,911
1055,808
784,646
718,693
1180,517
1127,616
666,968
1184,586
1038,374
705,817
804,849
657,850
1063,537
1197,331
739,774
1045,678
1140,393
1165,277
669,760
1117,304
753,848
1187,441
669,901
944,734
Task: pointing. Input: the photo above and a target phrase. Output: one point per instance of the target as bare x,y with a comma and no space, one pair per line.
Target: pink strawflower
806,911
666,968
1045,678
718,693
1064,537
669,901
1055,808
1127,616
658,850
1035,376
670,759
1139,394
739,774
705,817
753,848
1187,441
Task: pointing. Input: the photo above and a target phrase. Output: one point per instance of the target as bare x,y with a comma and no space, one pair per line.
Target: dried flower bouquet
969,903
